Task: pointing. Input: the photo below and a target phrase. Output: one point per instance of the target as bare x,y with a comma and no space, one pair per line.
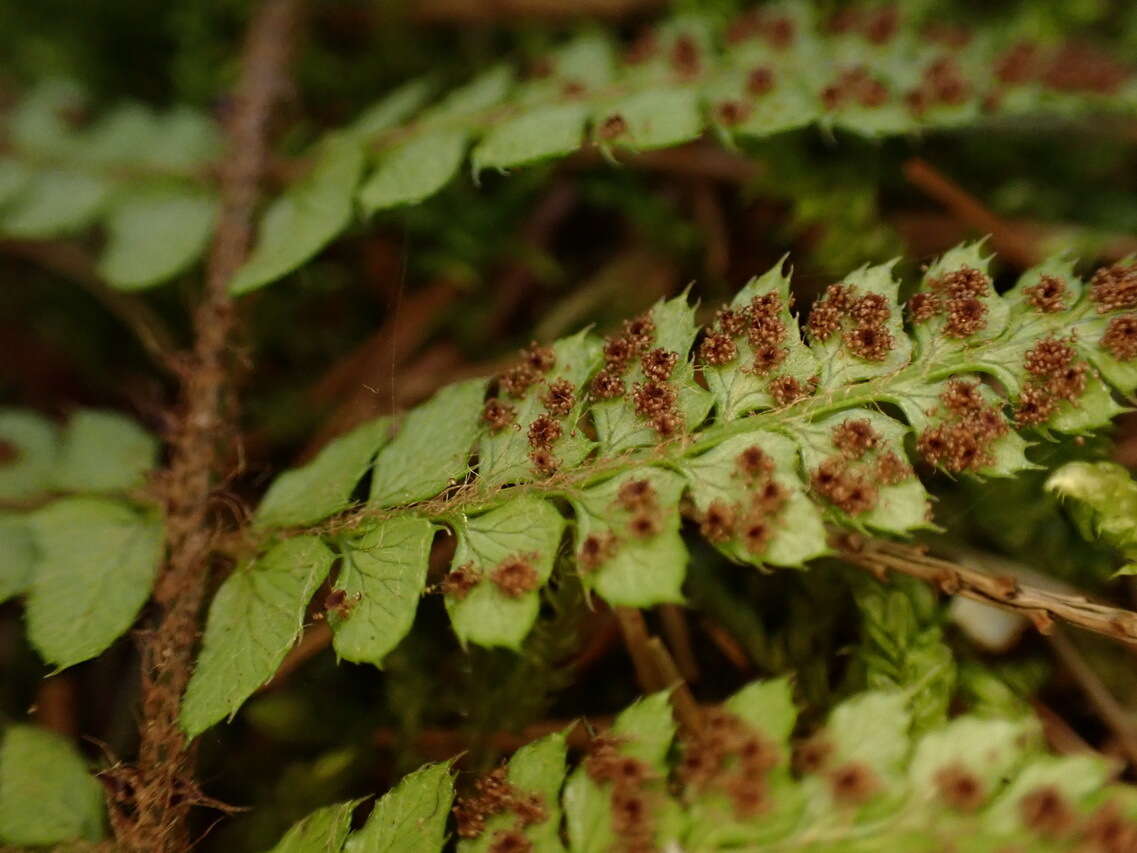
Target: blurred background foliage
423,295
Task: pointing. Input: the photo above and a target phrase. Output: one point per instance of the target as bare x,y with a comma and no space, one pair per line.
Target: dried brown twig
1041,606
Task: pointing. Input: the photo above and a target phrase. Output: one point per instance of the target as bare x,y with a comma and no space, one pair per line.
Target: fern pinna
588,453
866,781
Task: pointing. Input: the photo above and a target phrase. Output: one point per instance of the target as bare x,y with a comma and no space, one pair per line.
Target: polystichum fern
868,780
872,71
758,437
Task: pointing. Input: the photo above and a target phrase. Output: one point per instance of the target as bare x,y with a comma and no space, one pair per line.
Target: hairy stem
151,802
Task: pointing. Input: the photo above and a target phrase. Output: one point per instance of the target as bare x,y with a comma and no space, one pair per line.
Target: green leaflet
432,448
47,795
742,385
537,768
14,176
630,550
323,831
768,708
511,550
382,577
324,485
644,732
96,561
17,555
30,443
414,170
1101,497
541,129
103,452
785,531
504,453
392,109
619,426
1077,778
153,236
896,503
902,645
841,364
991,750
254,619
54,203
410,817
306,218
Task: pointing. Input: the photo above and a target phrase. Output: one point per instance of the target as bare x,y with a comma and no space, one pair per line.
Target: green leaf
418,168
894,505
988,750
182,140
839,364
97,561
55,203
642,559
503,454
538,768
28,447
323,831
871,727
254,619
47,795
324,485
17,555
153,236
103,452
618,426
14,176
738,387
414,171
1074,777
410,817
792,531
645,732
524,535
306,218
767,707
38,124
382,577
392,109
1102,499
432,448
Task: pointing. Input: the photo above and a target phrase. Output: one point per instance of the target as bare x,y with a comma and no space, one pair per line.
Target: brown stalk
150,803
1007,240
1119,720
1041,606
636,638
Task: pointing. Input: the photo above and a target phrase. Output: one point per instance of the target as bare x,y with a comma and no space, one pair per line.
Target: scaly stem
150,803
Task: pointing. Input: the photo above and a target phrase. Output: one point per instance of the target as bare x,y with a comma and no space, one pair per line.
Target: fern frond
776,68
142,175
866,781
146,177
786,438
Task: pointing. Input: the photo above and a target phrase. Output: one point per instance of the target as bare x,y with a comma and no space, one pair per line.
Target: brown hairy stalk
149,803
1041,606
